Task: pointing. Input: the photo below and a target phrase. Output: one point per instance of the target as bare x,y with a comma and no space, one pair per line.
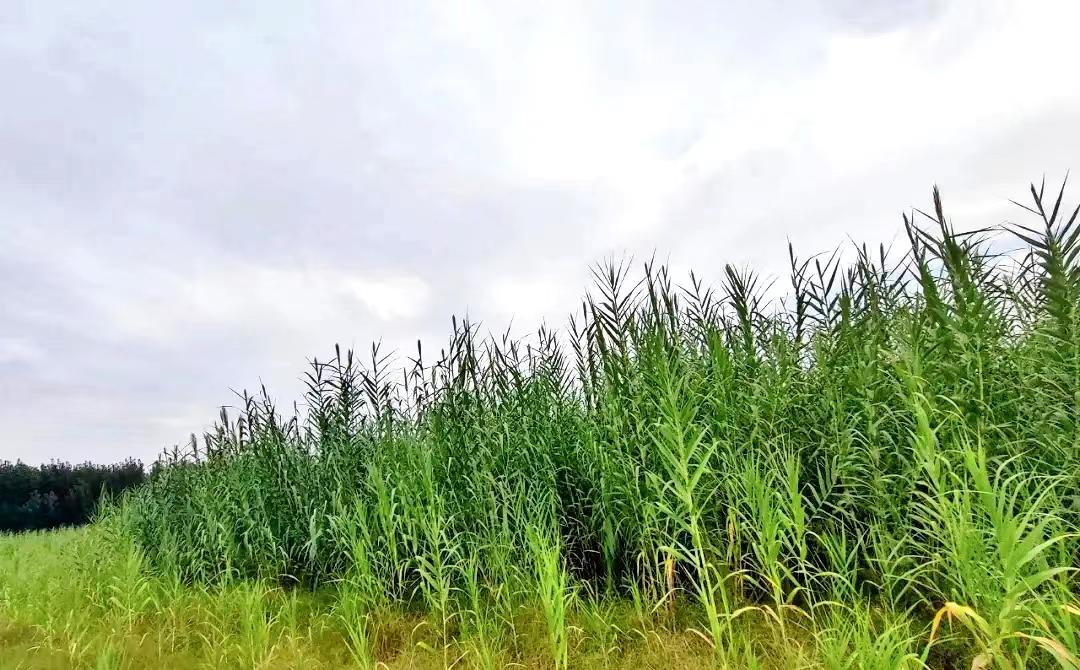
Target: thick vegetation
59,494
878,470
899,437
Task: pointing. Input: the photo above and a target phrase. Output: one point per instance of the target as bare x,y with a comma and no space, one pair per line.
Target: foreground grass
82,599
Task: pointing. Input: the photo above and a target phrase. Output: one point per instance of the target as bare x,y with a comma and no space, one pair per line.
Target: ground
69,601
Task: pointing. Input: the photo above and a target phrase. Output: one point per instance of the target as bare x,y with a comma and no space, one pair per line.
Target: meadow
874,466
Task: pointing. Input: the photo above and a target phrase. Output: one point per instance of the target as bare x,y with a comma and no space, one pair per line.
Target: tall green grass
883,459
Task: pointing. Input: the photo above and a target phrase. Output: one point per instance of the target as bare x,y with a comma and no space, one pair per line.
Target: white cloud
392,298
171,306
529,299
19,350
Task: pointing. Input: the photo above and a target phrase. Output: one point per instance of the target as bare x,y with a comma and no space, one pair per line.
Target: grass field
82,599
880,469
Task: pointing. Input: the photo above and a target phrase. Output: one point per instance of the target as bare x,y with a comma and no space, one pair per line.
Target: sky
199,196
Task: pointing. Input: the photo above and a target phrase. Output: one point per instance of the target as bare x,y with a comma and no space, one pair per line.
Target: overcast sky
198,195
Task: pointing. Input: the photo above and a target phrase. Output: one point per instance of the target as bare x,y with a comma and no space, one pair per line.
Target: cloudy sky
198,195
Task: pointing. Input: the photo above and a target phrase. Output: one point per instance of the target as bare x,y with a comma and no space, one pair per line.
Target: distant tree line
59,494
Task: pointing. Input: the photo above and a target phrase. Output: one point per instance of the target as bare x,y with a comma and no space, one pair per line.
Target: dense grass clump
885,462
